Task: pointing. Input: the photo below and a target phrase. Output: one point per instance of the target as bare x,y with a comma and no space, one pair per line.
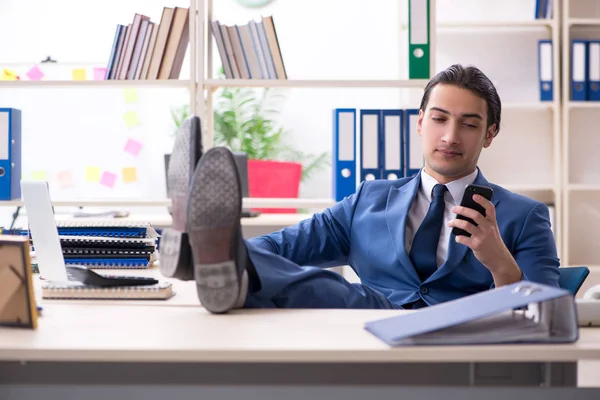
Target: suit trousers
285,284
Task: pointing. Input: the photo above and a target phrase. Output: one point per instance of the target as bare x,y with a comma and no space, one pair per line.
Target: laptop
44,232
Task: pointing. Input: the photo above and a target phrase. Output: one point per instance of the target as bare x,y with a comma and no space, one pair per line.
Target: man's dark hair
470,78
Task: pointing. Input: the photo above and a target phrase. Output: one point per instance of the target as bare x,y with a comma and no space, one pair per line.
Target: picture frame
17,298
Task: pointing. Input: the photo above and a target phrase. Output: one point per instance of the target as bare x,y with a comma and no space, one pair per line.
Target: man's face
453,131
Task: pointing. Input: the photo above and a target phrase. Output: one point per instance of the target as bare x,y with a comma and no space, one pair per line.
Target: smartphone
467,201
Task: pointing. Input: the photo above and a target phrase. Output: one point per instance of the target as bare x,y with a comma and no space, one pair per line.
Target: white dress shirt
420,206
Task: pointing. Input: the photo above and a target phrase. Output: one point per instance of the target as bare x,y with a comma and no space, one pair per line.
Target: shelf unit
208,84
549,191
581,168
506,50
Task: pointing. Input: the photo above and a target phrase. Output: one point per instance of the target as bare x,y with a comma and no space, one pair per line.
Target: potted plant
244,121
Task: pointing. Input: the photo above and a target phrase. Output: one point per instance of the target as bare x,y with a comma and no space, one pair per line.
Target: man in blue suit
395,234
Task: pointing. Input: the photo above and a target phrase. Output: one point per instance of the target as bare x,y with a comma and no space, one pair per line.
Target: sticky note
65,179
131,119
79,74
133,147
9,75
35,73
99,73
131,96
129,174
92,174
38,175
108,179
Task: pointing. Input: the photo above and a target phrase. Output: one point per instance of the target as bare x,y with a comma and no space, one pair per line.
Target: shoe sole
214,209
176,255
175,252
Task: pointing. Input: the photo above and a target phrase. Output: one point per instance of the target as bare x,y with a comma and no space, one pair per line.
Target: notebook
106,228
523,312
76,290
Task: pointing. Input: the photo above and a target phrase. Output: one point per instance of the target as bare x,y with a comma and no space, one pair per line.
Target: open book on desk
523,312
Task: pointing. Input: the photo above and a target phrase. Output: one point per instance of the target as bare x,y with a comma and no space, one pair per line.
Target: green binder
418,39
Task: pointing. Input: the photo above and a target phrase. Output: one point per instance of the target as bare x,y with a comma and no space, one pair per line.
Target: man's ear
420,121
489,136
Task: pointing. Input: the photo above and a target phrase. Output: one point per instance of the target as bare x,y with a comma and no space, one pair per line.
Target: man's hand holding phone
476,227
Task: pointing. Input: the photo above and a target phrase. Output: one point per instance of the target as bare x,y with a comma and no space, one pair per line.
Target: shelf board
159,83
307,83
535,23
531,105
584,21
583,187
247,202
520,188
584,104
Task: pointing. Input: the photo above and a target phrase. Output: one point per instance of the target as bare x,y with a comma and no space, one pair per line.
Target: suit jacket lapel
457,251
398,205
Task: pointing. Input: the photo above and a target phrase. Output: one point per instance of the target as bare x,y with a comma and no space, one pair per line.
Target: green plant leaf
245,119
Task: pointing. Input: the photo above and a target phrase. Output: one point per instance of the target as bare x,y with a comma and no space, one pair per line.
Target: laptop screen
44,232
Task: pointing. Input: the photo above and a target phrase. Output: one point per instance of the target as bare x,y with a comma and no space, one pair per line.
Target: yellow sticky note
79,74
92,174
38,175
129,174
131,96
8,75
131,119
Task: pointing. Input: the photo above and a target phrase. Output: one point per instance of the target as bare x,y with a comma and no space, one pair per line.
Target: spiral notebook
76,290
106,228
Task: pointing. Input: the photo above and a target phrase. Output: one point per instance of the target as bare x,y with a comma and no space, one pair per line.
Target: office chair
571,278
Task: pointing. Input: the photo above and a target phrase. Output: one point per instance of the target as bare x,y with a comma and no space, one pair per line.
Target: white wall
320,39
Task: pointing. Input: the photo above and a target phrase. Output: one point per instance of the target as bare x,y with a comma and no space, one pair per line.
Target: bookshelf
581,165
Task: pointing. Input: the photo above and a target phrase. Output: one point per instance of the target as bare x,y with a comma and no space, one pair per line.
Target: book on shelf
150,50
544,9
249,51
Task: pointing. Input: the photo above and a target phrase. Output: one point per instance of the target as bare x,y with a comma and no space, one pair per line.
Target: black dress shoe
213,225
175,253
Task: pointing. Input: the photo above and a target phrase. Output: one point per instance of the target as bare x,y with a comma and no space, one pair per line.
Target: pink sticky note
108,179
133,147
65,179
35,73
99,73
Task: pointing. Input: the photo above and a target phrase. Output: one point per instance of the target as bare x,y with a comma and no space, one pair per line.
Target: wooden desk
186,351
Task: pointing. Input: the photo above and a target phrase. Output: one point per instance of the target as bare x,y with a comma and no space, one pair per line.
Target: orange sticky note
79,74
65,179
92,174
129,174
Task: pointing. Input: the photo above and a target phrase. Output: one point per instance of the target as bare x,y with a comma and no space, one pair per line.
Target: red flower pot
274,179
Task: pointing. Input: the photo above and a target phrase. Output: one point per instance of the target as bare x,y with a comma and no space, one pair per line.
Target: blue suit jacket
367,229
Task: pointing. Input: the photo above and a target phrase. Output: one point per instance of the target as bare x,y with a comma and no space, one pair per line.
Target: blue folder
523,312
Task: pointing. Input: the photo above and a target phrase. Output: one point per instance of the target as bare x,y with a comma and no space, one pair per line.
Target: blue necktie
424,247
